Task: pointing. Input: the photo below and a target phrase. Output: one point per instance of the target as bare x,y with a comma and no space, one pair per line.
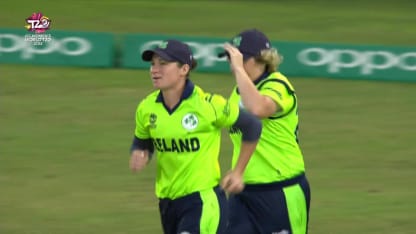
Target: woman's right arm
250,128
141,151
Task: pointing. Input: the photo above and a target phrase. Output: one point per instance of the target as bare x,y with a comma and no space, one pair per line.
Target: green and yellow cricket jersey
277,156
186,139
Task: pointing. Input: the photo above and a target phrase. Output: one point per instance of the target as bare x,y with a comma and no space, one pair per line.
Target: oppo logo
71,46
366,61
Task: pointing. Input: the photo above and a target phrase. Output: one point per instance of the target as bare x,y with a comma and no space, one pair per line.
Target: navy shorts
280,207
200,212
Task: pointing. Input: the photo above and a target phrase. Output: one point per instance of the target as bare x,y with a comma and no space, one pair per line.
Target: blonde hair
271,58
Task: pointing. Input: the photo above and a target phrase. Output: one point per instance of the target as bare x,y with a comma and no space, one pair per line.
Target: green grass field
65,132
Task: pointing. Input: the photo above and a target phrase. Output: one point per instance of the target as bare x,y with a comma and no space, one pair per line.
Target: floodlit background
65,132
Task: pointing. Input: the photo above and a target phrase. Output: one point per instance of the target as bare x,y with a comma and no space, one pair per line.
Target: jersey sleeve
226,114
279,94
142,123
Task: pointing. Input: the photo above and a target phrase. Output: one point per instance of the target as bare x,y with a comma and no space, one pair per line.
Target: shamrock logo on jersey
190,121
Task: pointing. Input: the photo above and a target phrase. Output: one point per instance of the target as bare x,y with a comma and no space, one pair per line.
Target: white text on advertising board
11,43
338,59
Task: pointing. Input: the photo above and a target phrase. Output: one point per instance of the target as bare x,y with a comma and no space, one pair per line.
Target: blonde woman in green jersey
182,124
276,197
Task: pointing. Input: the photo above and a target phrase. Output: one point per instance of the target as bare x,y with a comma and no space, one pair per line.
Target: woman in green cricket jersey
182,124
276,197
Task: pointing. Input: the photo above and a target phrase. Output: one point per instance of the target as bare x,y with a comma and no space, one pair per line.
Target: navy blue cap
172,50
250,43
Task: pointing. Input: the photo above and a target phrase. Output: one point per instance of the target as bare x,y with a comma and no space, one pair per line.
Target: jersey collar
262,77
258,80
188,90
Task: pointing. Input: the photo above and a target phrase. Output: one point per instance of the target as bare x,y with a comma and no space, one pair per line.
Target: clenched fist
138,160
233,182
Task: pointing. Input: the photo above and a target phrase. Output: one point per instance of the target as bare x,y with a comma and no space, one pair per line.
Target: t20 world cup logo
37,23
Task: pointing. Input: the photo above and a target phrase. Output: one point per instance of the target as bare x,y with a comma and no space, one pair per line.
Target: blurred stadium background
65,132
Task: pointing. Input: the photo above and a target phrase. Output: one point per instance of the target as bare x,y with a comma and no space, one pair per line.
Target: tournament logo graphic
152,120
190,121
37,23
226,109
